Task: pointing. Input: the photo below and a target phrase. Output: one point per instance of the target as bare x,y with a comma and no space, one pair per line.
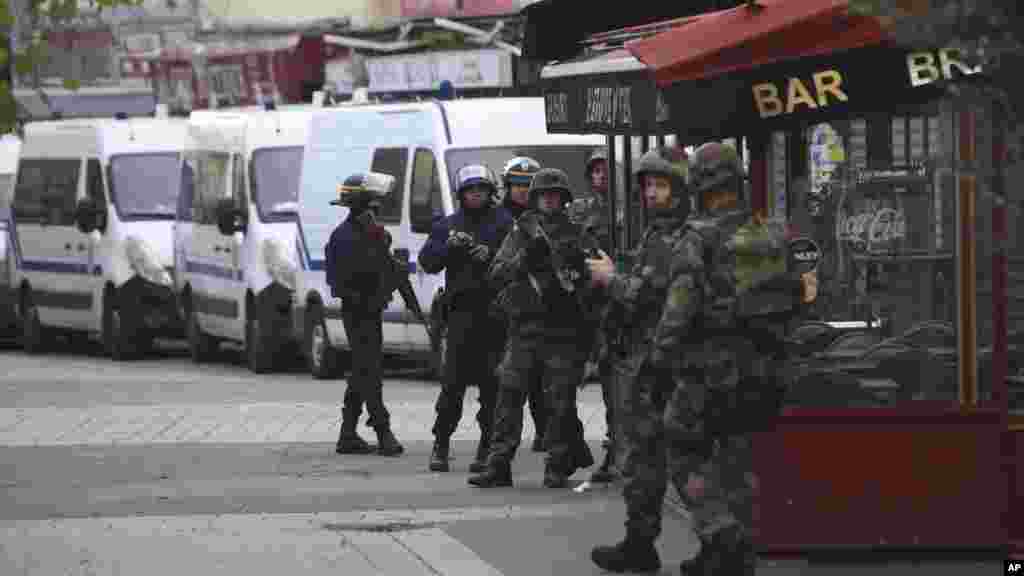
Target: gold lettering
829,82
950,57
766,96
797,93
921,66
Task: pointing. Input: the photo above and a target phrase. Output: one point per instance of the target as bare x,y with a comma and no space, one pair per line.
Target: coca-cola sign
873,227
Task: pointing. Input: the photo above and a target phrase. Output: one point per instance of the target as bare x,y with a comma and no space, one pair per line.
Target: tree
45,17
988,33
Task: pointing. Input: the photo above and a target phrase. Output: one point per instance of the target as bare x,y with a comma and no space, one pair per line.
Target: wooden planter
918,476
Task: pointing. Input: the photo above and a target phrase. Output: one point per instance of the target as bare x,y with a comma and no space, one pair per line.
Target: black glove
480,253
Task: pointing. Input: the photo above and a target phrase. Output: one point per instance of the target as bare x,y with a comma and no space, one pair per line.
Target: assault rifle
568,269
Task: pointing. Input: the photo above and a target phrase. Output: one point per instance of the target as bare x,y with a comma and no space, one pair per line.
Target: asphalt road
163,467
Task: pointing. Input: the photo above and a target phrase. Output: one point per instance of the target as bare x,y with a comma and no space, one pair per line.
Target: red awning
742,38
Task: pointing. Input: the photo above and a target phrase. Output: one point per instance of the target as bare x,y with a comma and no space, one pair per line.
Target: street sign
805,253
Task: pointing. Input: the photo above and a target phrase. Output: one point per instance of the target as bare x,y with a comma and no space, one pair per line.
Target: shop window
391,161
226,81
778,175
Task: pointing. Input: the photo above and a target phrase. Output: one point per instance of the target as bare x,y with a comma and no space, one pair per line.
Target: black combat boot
495,475
349,441
387,444
725,552
439,455
630,555
555,478
483,448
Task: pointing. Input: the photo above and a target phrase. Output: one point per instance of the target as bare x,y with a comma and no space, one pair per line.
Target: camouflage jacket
536,297
661,295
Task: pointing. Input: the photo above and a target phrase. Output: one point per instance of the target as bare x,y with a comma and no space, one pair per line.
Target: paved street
160,467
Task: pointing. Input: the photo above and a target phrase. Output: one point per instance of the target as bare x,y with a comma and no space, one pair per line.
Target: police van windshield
145,185
571,159
275,180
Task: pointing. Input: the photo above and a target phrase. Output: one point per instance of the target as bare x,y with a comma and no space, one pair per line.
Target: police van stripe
203,269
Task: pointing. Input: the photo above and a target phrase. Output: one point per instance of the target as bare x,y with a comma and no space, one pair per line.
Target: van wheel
119,341
324,360
259,356
32,332
201,346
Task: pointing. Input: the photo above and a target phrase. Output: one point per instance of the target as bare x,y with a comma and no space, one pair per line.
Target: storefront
478,56
283,69
891,433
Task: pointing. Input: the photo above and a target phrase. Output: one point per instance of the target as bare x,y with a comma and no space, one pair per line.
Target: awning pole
966,329
627,167
613,194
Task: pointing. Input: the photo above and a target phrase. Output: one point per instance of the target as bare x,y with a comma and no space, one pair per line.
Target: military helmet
716,165
668,162
550,179
473,174
598,155
520,171
367,188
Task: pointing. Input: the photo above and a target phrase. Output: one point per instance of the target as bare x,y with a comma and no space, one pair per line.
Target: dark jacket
465,279
358,263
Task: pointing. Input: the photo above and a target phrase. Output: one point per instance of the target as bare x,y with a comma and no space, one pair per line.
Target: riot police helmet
519,171
472,175
364,190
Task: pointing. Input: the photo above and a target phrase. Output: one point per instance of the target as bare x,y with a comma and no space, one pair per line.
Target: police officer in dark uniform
517,174
360,272
463,245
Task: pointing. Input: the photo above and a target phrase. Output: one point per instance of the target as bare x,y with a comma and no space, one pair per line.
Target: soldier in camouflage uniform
733,372
658,296
595,221
540,271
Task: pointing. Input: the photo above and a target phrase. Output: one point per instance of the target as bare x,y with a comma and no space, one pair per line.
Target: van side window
47,191
238,182
426,192
187,193
391,161
211,184
94,182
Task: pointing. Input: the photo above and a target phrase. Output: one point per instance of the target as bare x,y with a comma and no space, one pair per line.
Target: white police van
422,145
10,147
236,231
92,222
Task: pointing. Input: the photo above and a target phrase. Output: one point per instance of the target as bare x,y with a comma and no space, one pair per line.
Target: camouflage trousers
653,450
560,367
726,482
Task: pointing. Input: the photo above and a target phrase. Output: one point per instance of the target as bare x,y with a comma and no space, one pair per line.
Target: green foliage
44,16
